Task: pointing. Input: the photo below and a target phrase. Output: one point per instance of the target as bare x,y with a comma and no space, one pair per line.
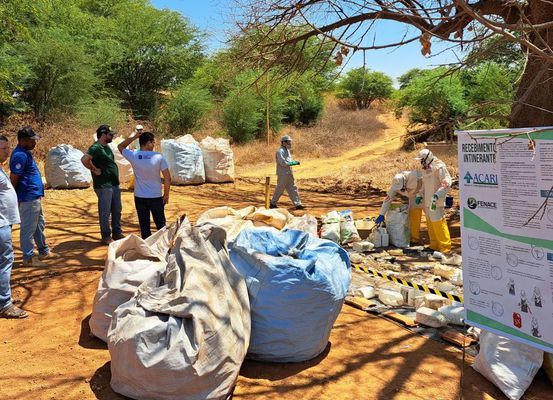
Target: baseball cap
286,138
104,129
27,133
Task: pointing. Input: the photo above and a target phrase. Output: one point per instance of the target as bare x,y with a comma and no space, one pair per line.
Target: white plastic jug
375,237
384,238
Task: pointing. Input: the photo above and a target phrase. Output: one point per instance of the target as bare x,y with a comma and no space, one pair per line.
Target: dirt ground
51,355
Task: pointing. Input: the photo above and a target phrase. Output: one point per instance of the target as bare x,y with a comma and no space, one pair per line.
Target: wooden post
267,106
267,190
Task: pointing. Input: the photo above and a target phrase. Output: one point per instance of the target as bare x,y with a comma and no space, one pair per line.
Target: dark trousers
143,208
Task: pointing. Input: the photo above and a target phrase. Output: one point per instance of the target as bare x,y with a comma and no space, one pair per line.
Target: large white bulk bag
185,333
64,170
185,159
297,284
509,365
218,160
130,262
123,165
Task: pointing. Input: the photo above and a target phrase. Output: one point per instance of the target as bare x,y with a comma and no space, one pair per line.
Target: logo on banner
480,179
472,203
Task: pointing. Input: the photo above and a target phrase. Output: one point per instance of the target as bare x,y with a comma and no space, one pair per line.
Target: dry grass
338,131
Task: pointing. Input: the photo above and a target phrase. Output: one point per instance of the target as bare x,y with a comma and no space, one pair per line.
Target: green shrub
304,103
186,108
241,115
97,111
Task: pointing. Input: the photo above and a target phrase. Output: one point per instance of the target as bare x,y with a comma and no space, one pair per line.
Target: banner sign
506,206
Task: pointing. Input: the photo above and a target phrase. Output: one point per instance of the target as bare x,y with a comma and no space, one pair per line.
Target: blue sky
215,18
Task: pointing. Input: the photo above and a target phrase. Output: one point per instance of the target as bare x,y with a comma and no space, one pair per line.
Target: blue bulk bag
296,284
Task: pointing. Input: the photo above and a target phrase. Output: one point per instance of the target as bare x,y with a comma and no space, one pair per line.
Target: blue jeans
109,202
143,208
32,228
6,262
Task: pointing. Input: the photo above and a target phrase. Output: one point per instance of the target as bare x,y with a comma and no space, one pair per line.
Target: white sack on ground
397,226
330,229
297,284
123,165
63,168
306,223
509,365
130,262
186,163
218,160
185,333
348,231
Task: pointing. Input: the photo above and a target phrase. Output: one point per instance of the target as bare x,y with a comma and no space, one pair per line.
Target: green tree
489,91
244,109
186,108
61,73
364,87
436,100
149,51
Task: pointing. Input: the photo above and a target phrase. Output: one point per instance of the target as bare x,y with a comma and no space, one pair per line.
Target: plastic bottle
384,238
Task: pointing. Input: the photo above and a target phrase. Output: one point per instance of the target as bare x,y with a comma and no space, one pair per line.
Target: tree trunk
534,106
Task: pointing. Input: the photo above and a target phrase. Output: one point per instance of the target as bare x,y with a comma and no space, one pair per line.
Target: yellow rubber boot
434,244
441,234
415,215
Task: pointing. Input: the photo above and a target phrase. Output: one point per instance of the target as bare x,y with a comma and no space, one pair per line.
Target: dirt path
388,141
51,355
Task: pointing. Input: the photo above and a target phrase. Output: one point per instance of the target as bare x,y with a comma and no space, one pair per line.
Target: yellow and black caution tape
422,288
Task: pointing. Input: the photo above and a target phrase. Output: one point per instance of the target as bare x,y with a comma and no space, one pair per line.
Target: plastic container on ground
390,297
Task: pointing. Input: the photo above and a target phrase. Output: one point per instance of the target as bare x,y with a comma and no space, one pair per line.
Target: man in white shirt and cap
285,176
436,183
408,183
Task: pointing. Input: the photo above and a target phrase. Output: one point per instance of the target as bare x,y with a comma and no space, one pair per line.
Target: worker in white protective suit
408,183
285,176
436,183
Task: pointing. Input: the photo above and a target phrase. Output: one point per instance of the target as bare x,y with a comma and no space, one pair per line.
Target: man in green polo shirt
105,177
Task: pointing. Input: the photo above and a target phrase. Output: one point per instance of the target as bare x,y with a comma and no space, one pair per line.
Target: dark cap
27,133
104,129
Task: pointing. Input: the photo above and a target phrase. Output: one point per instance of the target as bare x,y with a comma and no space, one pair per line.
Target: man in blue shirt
27,181
148,166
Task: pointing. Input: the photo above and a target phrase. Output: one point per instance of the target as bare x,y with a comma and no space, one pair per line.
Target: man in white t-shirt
148,166
9,215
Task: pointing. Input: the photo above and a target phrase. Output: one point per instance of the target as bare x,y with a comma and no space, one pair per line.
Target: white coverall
285,178
410,184
436,181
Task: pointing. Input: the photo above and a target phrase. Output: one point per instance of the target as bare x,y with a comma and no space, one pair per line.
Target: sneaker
106,241
273,205
300,207
118,236
34,262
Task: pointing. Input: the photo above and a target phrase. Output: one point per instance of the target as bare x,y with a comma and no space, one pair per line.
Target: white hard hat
398,182
139,127
286,138
425,156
